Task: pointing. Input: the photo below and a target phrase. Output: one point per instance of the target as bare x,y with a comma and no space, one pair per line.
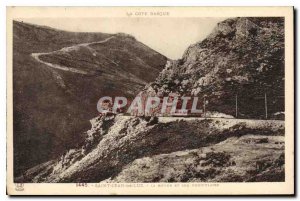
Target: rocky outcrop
242,57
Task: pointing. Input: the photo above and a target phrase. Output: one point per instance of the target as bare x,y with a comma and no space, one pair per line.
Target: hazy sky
169,36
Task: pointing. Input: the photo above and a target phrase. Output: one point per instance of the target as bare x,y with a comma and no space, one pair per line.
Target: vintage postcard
150,101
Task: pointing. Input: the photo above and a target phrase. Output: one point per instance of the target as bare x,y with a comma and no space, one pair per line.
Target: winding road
36,56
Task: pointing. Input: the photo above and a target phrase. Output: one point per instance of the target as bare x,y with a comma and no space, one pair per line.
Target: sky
168,36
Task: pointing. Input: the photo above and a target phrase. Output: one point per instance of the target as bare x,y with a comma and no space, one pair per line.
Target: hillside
52,106
242,58
136,149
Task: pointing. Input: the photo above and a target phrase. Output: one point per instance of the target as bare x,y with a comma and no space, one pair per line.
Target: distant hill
51,105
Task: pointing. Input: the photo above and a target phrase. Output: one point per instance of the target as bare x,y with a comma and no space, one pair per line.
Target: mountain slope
52,106
243,57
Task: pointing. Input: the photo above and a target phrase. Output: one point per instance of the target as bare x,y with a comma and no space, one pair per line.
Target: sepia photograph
150,98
